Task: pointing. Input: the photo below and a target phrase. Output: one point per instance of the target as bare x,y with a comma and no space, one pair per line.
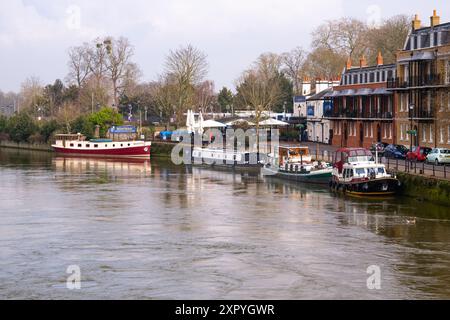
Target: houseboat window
79,145
88,145
71,145
95,145
380,170
360,172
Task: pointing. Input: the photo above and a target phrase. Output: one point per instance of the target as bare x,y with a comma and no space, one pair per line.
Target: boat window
445,151
129,144
71,144
106,146
88,145
360,172
79,145
114,145
360,156
121,145
95,145
380,170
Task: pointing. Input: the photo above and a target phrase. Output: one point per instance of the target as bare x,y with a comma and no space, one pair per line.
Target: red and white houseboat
77,145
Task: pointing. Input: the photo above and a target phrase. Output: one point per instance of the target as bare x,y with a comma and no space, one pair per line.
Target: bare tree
80,64
164,93
324,63
388,38
67,114
205,96
259,87
31,93
187,67
120,70
345,36
293,67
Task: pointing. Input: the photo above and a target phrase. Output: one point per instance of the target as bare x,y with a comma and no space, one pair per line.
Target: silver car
439,156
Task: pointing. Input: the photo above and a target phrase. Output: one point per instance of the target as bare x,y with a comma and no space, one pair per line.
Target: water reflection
154,230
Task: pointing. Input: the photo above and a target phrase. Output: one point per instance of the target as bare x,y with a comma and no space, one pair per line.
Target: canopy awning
417,56
345,93
273,122
239,122
331,94
364,92
211,124
381,91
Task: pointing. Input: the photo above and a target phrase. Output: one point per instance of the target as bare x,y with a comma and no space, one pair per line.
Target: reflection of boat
224,159
77,145
117,167
357,173
295,163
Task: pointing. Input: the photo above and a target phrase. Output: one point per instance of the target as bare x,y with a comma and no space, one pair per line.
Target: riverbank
26,146
425,188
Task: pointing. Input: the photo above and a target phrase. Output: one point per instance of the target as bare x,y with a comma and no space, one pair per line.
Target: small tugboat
295,163
356,172
224,159
77,145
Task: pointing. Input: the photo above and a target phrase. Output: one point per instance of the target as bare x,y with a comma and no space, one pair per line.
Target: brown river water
152,230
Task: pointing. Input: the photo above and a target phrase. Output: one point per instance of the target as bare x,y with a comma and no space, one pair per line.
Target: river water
151,230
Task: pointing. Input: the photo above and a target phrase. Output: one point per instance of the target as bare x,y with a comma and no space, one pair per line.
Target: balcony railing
422,114
415,81
358,115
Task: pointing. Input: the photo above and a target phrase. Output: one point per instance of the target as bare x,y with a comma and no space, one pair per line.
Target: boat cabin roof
69,137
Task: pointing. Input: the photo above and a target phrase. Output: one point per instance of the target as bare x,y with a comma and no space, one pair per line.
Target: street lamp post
411,131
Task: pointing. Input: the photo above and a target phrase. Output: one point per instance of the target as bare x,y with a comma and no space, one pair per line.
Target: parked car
380,146
418,154
395,151
439,156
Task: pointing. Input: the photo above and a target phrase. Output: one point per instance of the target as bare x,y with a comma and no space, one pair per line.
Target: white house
318,106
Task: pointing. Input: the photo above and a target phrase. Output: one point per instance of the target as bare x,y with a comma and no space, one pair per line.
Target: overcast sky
36,34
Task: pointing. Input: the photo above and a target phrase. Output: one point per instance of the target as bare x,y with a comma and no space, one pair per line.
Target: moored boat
295,163
77,145
226,159
356,172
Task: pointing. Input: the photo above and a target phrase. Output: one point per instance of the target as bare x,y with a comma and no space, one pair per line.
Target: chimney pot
435,19
349,63
363,62
380,60
416,24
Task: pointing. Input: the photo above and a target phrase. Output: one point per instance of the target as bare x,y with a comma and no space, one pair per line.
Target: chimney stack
363,62
416,24
380,60
349,63
435,19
